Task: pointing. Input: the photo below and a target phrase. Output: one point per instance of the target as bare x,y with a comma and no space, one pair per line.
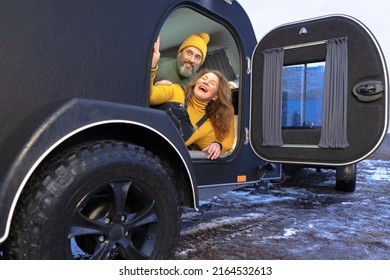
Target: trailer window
302,89
222,52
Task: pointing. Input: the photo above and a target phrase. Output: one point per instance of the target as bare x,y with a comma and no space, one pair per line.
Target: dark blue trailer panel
90,171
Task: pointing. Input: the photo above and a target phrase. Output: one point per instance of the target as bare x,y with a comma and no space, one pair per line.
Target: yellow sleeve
206,135
160,94
203,136
227,142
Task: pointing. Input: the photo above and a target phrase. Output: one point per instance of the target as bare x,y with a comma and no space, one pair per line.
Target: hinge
248,65
246,136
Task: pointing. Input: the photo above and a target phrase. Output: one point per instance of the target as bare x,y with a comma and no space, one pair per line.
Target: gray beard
184,71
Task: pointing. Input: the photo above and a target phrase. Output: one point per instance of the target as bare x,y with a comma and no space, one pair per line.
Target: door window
302,89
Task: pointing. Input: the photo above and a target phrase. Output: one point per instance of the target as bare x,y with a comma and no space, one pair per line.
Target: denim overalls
179,116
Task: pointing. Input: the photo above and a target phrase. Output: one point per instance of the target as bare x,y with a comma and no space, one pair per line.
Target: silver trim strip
300,146
229,184
305,45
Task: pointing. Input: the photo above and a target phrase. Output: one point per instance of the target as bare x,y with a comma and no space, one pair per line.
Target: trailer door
319,93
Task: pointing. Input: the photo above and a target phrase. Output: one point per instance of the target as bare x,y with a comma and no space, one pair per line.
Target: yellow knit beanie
198,41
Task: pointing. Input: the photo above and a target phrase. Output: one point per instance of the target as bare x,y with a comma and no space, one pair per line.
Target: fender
72,117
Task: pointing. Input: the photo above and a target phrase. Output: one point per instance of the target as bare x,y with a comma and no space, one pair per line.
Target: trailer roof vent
303,30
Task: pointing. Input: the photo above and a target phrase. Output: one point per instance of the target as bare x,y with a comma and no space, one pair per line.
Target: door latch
368,91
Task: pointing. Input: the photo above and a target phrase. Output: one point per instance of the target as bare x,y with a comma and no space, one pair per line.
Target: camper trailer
89,170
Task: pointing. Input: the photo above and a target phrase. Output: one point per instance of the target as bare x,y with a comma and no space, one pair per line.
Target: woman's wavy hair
219,111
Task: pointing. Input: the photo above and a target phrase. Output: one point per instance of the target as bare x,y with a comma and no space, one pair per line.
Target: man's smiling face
189,61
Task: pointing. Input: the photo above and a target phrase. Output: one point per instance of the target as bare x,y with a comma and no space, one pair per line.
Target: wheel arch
146,127
149,139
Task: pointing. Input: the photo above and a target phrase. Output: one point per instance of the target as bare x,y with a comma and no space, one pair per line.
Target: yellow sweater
205,135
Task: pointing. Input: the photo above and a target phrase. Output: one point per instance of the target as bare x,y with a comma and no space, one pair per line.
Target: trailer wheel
346,178
105,200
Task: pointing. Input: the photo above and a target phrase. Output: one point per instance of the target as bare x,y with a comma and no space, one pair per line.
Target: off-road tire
99,200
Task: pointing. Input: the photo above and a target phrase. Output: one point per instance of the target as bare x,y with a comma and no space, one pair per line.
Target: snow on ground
303,218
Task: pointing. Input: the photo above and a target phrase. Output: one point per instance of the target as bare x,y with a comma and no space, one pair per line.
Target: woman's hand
156,53
213,150
232,85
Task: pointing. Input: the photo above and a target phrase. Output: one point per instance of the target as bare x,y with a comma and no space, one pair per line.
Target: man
190,57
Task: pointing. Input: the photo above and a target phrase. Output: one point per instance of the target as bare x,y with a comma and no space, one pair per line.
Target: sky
266,15
269,14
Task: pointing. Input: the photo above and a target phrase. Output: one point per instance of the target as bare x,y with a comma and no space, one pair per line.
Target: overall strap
200,122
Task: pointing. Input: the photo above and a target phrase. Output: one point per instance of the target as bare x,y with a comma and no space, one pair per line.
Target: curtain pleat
218,60
272,97
334,115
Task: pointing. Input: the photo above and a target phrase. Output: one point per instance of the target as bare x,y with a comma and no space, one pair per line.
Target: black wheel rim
115,220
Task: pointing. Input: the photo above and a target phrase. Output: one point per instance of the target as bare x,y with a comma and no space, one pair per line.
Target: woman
202,112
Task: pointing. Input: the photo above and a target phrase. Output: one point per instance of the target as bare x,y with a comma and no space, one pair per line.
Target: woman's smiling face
206,88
